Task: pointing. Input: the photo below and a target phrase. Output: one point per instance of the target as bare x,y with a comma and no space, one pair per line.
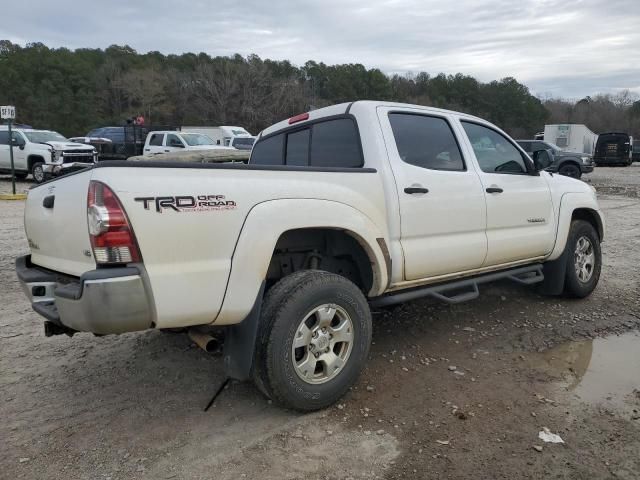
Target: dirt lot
449,392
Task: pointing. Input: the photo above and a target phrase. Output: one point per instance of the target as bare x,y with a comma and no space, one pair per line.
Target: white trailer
571,137
222,135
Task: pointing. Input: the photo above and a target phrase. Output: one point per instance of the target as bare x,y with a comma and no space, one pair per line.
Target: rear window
331,143
297,152
268,151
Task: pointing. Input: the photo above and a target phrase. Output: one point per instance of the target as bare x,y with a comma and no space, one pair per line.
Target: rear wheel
314,339
37,171
584,259
570,170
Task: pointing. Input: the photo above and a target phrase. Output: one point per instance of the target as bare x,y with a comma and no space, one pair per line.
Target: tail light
112,238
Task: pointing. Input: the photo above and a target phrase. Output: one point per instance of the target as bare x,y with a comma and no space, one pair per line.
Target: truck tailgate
56,225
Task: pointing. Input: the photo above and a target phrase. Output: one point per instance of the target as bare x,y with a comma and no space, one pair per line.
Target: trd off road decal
187,203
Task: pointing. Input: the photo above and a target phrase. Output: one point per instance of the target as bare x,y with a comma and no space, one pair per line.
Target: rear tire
584,259
313,340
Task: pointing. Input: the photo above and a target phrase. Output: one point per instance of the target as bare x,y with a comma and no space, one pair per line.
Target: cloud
555,47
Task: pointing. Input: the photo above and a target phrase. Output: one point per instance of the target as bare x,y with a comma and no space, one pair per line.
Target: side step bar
462,290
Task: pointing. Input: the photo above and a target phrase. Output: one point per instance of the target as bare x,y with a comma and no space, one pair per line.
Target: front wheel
38,172
585,259
570,170
313,341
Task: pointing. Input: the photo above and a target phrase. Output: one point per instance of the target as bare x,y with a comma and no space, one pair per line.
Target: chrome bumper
104,301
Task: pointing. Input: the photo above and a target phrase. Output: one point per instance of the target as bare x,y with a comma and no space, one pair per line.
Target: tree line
73,91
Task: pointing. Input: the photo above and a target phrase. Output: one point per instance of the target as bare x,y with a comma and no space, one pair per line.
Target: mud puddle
603,372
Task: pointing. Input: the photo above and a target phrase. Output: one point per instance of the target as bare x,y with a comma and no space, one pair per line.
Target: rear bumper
110,300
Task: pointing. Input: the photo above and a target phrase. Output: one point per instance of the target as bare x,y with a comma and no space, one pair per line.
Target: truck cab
42,153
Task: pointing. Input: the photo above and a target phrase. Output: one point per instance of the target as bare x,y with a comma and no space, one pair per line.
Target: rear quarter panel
188,254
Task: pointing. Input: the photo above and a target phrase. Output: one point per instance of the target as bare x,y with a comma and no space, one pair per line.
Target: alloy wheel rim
38,174
584,259
322,344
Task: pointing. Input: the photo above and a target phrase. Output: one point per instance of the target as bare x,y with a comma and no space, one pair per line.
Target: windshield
44,136
554,146
194,139
248,141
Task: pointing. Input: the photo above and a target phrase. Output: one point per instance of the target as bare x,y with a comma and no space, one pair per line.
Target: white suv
42,153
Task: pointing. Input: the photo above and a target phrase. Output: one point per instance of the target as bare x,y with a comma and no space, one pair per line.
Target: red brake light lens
112,238
299,118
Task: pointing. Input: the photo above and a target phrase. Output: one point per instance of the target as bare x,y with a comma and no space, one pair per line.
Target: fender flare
569,203
262,228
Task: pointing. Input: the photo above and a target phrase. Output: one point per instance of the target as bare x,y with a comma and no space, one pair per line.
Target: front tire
37,171
313,340
584,260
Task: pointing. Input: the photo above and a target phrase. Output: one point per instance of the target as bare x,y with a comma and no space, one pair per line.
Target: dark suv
570,164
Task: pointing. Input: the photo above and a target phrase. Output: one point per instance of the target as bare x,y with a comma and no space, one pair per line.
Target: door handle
494,190
147,149
414,190
167,150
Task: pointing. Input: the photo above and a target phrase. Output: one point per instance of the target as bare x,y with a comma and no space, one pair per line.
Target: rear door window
426,142
156,139
4,138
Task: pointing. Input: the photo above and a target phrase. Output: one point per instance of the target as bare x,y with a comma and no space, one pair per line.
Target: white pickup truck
173,141
42,153
346,207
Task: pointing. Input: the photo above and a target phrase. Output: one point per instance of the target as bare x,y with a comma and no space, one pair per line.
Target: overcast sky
569,48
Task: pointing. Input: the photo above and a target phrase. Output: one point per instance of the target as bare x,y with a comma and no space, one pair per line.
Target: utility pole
8,112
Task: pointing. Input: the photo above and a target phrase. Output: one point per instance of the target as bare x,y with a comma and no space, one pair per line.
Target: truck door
154,144
19,157
520,217
173,143
442,207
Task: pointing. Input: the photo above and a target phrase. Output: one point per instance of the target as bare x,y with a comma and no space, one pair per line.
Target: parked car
614,148
569,164
172,141
42,153
358,204
242,143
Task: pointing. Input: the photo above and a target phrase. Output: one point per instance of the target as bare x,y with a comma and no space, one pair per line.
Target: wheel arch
573,206
274,221
32,159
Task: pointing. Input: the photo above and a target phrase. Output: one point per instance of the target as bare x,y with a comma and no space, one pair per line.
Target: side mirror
542,159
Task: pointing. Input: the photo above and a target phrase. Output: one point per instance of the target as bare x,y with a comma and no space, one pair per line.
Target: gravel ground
449,392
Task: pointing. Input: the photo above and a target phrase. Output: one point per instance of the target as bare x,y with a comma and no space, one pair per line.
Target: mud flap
554,275
240,341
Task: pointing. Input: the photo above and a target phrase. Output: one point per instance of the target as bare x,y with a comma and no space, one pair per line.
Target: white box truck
571,137
226,136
